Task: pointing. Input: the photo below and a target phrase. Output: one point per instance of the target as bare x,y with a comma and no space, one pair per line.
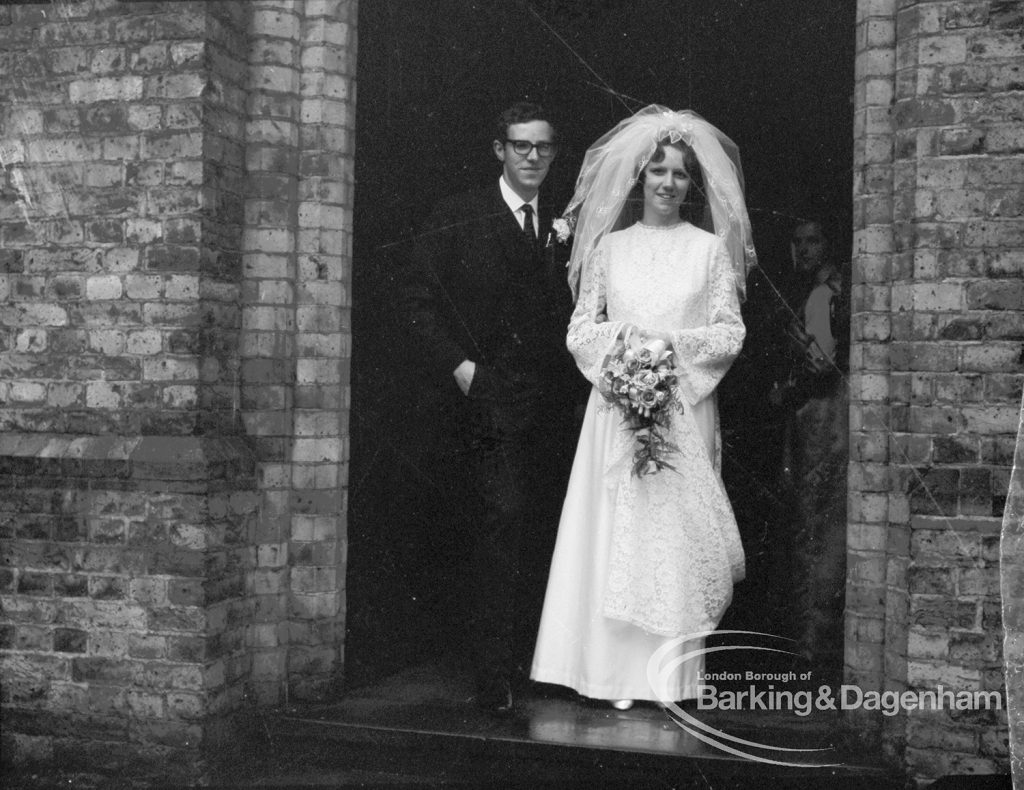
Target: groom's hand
464,375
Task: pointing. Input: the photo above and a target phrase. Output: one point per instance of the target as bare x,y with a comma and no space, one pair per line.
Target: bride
646,557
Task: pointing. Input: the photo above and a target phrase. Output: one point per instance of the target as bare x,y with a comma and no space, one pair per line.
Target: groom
488,305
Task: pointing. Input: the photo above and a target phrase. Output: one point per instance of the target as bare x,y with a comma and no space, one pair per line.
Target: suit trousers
516,471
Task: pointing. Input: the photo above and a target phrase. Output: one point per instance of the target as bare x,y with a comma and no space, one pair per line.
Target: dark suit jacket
478,291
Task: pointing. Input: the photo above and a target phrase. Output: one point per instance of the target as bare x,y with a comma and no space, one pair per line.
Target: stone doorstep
423,723
495,753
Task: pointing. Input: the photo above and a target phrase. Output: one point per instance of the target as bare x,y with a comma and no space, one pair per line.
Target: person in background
816,451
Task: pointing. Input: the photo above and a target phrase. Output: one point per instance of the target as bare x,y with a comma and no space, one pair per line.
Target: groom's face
525,172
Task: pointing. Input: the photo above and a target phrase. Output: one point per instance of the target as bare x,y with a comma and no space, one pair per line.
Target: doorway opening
432,79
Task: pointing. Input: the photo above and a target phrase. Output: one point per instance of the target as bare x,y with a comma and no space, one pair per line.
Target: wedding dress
642,561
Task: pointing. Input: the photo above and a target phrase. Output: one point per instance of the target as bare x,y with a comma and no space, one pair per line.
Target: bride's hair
610,172
696,201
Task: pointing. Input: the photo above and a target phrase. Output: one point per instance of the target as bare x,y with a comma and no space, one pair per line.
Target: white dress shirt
515,204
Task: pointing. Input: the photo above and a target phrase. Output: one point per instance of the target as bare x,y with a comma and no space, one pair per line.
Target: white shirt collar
515,203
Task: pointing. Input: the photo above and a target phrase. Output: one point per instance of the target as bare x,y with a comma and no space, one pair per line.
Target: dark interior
775,75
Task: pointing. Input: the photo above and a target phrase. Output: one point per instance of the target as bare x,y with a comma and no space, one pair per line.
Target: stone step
424,727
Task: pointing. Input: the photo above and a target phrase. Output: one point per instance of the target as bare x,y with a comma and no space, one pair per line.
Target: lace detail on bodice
675,546
677,279
649,286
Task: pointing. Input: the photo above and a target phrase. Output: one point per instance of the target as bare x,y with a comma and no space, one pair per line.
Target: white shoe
622,704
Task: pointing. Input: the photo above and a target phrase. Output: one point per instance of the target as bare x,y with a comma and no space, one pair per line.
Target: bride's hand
647,335
626,331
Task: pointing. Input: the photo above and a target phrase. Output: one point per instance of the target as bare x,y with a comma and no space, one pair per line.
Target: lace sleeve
703,355
591,335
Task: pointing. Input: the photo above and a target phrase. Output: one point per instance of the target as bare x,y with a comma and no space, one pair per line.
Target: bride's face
665,186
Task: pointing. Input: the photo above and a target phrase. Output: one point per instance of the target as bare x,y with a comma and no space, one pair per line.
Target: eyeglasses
523,148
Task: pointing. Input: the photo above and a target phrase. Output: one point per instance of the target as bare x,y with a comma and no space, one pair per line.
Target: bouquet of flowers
639,380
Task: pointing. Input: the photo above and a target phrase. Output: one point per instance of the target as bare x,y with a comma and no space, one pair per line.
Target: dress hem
607,692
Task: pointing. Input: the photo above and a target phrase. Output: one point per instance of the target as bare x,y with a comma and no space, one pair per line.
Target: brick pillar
877,535
175,260
268,318
127,496
936,361
321,451
297,334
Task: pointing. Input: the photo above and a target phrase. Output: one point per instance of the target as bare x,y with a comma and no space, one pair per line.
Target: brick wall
174,260
121,218
937,358
123,631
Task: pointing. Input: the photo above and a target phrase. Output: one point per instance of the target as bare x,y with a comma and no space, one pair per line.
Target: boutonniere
561,231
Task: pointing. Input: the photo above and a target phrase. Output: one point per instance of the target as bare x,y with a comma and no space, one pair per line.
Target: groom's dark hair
522,112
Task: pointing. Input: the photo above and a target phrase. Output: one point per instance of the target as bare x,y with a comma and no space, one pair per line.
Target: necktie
529,232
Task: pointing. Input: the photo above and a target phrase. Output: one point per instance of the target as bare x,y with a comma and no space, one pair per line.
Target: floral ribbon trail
640,380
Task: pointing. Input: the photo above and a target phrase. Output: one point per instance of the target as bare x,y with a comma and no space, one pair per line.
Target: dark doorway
775,75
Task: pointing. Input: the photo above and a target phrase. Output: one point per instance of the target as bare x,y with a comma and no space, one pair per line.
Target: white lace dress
640,562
